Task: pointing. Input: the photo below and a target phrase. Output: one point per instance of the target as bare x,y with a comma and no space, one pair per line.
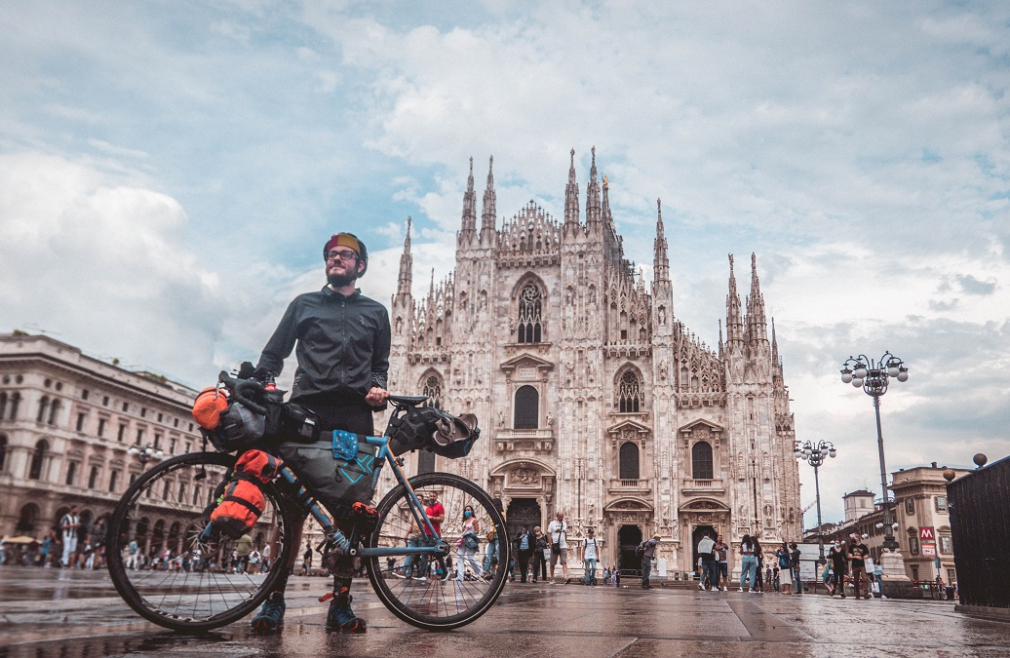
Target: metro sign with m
927,535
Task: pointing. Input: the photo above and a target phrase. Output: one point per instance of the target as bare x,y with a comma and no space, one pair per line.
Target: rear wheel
425,591
206,590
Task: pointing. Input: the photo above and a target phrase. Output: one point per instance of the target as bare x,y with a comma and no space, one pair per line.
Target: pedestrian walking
69,526
794,563
709,565
839,566
648,551
785,565
748,562
721,550
524,542
858,552
589,556
557,530
541,554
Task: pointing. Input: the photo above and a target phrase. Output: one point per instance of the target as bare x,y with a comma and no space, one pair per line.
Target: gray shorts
563,557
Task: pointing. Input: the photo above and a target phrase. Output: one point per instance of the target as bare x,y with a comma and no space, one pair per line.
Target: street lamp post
143,455
873,377
814,455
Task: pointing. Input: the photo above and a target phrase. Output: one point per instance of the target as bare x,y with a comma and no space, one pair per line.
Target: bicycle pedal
326,597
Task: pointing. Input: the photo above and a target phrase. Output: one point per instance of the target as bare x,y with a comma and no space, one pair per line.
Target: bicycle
188,486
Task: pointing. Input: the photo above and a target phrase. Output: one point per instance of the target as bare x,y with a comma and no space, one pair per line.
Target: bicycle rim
419,595
176,493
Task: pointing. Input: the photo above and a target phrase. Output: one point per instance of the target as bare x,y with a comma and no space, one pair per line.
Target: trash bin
949,590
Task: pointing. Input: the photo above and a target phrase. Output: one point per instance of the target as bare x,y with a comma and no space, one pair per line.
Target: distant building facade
66,422
921,512
593,397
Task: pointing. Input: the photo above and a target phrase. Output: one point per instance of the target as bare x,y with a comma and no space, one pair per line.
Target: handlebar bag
337,469
434,430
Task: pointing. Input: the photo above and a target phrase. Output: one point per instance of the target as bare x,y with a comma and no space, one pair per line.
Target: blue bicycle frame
440,548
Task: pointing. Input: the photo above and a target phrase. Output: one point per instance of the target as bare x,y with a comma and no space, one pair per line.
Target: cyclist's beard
340,280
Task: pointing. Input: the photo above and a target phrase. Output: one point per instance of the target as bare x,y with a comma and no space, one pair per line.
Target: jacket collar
329,292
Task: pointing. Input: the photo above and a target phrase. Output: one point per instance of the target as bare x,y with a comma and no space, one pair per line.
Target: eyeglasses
342,255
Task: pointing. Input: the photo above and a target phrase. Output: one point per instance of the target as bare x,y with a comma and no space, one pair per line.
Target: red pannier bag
242,502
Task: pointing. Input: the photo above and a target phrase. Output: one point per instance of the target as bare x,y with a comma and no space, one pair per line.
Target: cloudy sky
169,171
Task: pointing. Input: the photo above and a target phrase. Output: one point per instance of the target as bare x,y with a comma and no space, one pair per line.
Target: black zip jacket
343,346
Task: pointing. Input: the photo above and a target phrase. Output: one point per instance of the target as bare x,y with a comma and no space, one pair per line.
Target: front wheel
440,594
166,570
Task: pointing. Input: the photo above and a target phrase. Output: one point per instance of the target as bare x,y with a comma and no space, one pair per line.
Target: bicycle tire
435,604
197,601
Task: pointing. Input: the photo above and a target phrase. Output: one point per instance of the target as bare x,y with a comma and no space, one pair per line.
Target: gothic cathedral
593,398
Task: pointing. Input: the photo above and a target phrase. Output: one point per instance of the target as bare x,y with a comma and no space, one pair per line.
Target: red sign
927,534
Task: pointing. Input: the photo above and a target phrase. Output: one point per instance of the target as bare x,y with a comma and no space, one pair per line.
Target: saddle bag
242,502
337,469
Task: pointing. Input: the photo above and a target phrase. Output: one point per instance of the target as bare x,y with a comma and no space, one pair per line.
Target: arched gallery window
701,461
628,393
527,416
43,406
530,314
3,451
629,461
15,402
38,459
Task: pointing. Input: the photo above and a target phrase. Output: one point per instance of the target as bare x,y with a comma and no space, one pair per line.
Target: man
307,560
648,552
858,552
794,563
243,549
342,340
70,524
132,554
839,565
710,569
557,531
524,542
266,558
721,548
590,550
436,514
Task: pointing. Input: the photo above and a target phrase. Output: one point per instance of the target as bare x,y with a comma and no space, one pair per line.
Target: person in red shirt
435,511
436,514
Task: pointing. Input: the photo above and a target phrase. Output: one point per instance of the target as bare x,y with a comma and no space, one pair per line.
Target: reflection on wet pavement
77,614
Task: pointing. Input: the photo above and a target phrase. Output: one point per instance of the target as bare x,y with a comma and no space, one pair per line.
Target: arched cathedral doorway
523,511
628,539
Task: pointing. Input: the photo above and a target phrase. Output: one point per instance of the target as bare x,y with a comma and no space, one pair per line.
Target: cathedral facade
593,398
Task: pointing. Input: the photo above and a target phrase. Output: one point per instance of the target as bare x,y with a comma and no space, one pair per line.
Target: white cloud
104,266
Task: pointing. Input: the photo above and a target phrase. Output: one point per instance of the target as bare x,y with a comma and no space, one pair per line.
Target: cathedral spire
661,262
469,224
775,347
572,196
593,197
488,222
720,339
406,266
734,323
757,326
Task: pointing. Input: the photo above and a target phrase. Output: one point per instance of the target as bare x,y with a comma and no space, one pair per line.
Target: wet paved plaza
46,612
